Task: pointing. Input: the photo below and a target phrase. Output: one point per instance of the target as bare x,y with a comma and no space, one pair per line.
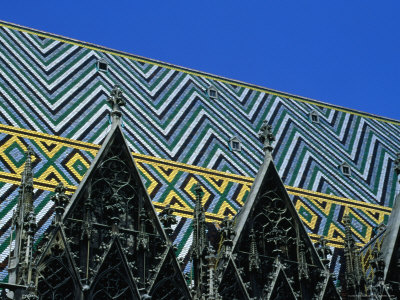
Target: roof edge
104,49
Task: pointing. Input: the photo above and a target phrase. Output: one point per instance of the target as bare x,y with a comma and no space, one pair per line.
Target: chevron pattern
53,97
54,87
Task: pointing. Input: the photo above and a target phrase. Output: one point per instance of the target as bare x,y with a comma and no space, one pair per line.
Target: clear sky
341,52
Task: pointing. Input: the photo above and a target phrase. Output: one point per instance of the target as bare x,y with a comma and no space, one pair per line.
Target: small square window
345,168
212,93
314,116
102,65
235,144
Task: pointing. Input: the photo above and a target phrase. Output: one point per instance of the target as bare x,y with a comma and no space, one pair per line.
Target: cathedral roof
54,99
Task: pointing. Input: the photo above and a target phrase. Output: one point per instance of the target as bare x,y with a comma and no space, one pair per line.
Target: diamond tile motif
12,154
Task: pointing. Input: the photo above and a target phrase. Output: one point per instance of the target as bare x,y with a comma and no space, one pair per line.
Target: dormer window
314,116
235,144
102,65
212,92
345,168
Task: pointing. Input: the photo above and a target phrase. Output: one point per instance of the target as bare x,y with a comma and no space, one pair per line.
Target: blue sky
341,52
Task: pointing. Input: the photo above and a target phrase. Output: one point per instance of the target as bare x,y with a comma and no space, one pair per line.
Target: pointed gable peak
54,257
114,265
113,200
266,137
111,218
269,212
270,242
169,278
112,190
279,286
113,138
244,212
232,286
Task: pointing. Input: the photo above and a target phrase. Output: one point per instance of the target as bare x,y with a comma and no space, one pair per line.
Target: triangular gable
112,200
56,271
268,191
114,279
231,285
268,228
326,289
114,146
169,282
279,287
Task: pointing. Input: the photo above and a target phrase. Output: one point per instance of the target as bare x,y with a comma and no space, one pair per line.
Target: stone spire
116,100
266,136
24,223
378,265
212,280
199,246
254,259
354,275
303,266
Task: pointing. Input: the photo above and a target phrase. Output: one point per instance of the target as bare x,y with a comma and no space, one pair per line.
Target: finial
28,165
323,251
116,101
227,232
354,275
266,136
27,181
303,266
346,219
198,209
29,152
60,200
347,225
197,189
168,219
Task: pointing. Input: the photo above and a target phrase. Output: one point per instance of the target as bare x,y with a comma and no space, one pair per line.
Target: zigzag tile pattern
51,87
54,87
167,182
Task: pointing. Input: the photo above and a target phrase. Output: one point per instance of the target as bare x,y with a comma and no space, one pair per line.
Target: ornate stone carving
168,219
266,136
354,275
116,100
324,251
